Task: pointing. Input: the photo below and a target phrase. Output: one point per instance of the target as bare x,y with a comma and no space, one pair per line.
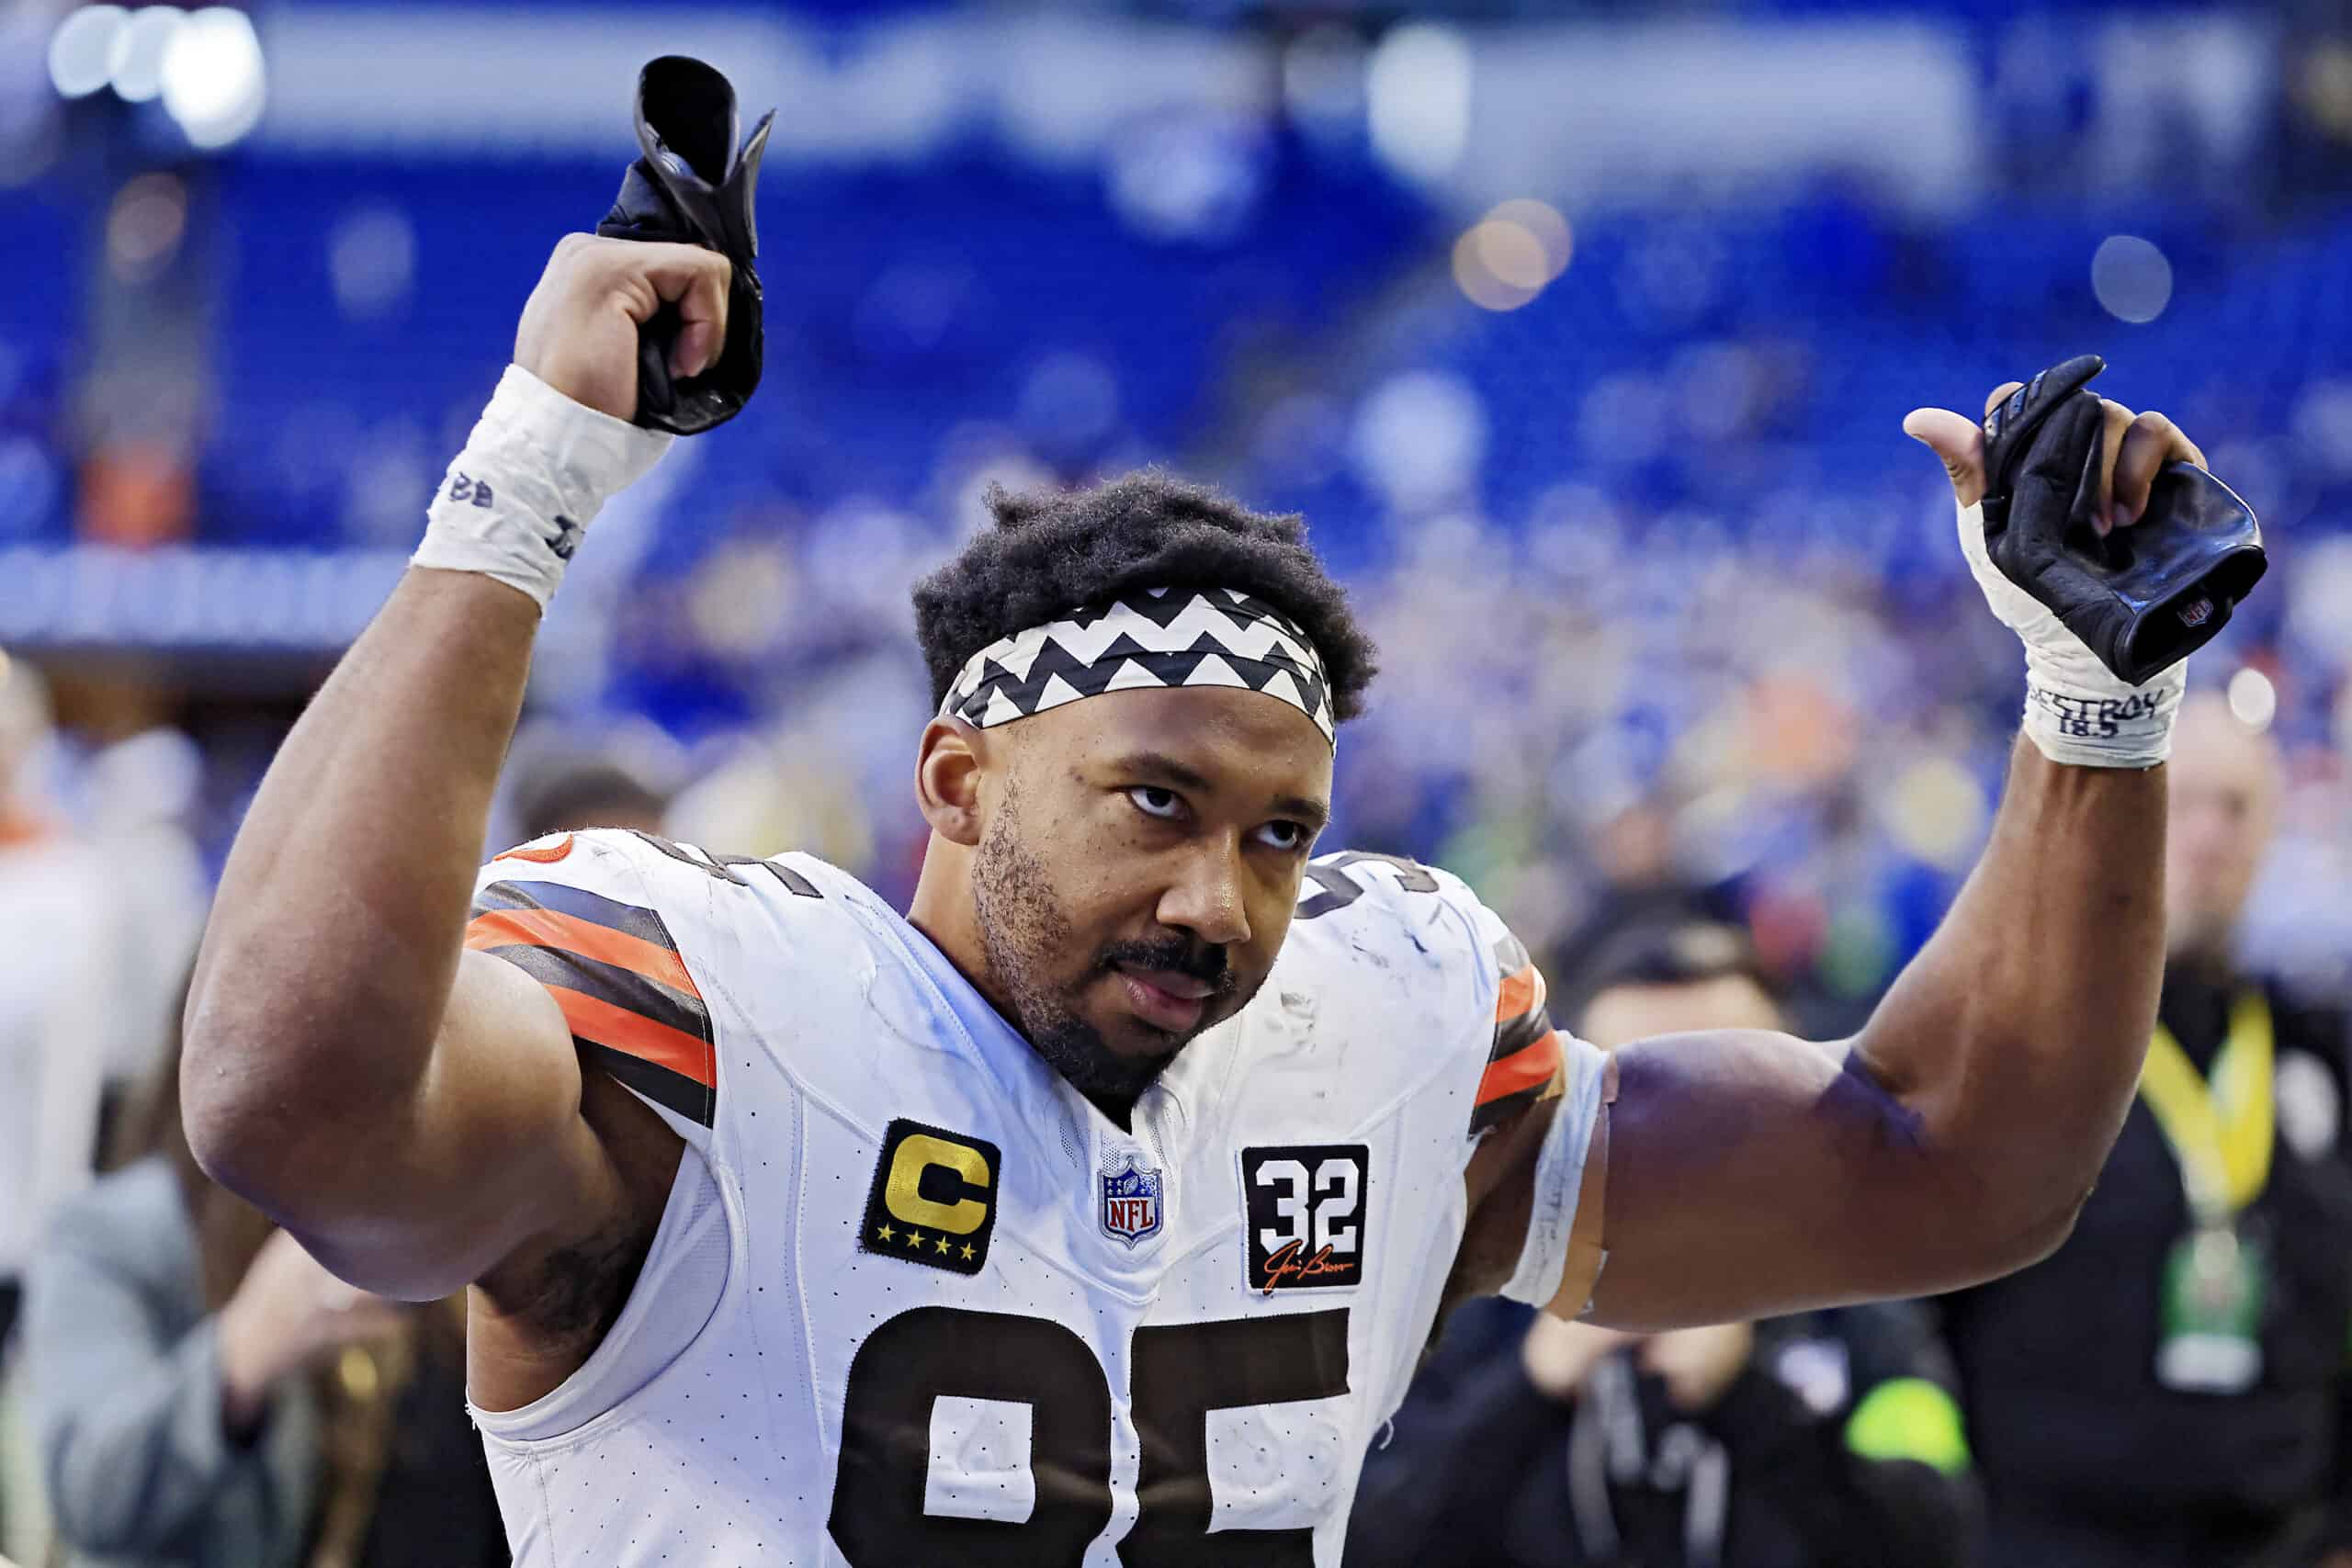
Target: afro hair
1055,551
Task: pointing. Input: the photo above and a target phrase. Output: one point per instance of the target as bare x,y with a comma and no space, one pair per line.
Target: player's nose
1206,897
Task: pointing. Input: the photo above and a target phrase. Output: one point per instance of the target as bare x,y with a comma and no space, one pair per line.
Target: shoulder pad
578,913
1436,909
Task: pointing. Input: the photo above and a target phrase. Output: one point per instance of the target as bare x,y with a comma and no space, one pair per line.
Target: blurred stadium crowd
1615,459
1581,332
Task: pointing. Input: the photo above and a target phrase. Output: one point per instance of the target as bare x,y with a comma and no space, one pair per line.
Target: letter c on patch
920,1152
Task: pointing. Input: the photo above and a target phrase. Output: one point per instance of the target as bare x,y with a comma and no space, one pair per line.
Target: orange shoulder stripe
547,928
659,1043
546,855
1531,1066
1522,992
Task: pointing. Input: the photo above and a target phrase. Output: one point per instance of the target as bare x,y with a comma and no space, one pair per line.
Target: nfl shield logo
1130,1203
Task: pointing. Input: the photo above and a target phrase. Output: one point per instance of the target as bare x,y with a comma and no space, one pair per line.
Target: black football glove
692,187
2141,598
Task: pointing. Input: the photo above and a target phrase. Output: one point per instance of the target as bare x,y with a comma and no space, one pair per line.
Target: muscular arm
411,1111
1955,1137
1952,1140
344,1069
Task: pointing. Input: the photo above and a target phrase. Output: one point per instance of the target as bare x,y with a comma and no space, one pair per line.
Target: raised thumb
1959,441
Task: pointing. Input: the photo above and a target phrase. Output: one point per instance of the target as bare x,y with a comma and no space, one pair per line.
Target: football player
1094,1208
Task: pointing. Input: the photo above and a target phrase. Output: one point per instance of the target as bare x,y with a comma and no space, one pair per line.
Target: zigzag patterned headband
1211,637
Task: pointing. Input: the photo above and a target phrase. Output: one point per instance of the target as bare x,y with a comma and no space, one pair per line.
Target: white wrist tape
1559,1177
2076,709
534,474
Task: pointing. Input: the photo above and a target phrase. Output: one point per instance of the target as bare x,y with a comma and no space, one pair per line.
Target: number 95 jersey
914,1300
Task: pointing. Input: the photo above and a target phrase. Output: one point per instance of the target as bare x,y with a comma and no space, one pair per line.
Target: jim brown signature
1292,1267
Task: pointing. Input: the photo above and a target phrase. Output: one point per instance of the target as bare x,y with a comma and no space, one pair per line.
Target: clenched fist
579,331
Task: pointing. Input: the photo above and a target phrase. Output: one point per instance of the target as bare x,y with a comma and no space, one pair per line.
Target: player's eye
1154,801
1285,836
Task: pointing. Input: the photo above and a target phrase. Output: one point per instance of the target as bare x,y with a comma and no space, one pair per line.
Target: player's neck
952,927
943,910
1118,1110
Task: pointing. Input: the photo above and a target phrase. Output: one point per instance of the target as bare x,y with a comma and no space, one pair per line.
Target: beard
1025,932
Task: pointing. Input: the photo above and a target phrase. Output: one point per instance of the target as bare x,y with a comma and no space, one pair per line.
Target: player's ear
947,779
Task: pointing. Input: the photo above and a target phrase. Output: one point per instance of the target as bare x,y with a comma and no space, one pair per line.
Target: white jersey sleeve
1527,1056
621,930
1498,1052
1501,1051
580,914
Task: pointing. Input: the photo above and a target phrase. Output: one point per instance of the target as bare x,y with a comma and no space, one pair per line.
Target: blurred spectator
1823,1441
2170,1387
584,792
96,917
204,1393
1640,887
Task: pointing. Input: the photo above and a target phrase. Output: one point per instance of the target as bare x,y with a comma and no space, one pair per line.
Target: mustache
1199,961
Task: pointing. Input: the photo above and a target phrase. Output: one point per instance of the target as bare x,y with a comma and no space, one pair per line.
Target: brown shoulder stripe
616,975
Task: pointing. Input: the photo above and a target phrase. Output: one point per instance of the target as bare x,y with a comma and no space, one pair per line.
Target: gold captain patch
934,1198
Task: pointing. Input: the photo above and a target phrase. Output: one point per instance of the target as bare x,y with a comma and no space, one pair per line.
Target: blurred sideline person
1142,1121
86,959
2170,1387
203,1395
62,943
1826,1440
584,790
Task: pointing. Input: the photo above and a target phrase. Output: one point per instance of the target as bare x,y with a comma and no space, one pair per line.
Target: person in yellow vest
2171,1386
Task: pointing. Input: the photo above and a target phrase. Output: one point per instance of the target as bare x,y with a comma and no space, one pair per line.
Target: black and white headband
1157,637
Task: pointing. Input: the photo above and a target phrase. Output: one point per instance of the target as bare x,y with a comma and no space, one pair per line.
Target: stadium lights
2253,699
139,49
1507,257
1417,93
82,50
206,65
212,77
2130,277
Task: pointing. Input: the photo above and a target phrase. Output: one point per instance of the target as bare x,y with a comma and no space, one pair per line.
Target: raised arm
1953,1138
411,1111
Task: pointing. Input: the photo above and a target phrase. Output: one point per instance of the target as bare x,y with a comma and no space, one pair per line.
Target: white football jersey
917,1300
